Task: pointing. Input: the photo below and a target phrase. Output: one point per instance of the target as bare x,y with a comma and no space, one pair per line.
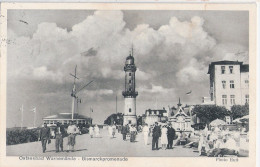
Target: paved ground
103,146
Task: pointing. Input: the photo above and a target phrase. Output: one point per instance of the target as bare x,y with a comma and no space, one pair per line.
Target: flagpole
22,117
116,104
90,111
34,117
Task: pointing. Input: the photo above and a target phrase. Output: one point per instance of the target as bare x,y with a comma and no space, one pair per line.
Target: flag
188,93
34,110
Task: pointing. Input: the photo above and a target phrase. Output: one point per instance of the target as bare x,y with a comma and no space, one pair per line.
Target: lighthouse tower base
130,119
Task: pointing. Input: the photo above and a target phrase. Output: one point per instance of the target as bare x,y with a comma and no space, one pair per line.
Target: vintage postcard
127,84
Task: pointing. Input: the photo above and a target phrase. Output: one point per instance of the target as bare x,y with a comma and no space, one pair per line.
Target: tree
114,118
238,111
208,113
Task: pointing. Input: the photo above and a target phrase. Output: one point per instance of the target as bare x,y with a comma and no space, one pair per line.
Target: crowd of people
166,133
217,142
213,143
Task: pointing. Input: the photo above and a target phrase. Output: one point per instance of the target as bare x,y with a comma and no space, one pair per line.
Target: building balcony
129,93
130,67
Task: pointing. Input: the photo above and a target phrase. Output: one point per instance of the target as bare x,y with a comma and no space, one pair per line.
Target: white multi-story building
229,83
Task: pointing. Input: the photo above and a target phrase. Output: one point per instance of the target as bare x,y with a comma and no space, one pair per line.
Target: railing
129,93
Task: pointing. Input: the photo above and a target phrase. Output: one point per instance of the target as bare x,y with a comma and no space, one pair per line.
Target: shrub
18,136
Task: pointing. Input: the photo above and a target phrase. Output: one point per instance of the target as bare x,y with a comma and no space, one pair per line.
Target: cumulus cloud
96,93
193,71
51,53
155,89
171,59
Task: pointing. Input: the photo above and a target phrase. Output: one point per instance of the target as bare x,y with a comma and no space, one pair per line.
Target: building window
247,99
231,69
130,74
130,81
232,100
222,69
246,81
130,89
224,99
232,84
130,110
224,84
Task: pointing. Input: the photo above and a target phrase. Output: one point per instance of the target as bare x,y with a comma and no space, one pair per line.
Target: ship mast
74,93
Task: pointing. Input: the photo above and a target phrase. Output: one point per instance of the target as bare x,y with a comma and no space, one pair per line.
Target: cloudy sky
172,51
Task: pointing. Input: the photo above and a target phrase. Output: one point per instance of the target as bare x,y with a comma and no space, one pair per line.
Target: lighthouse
129,93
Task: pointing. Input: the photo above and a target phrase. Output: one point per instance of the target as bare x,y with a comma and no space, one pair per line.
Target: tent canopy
217,122
237,120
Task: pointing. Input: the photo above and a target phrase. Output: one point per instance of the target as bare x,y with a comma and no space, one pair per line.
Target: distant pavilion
65,118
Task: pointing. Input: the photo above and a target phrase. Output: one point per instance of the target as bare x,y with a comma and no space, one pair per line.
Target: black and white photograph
128,83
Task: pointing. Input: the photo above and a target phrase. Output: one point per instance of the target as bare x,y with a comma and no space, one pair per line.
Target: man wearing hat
124,132
156,135
59,134
44,136
170,136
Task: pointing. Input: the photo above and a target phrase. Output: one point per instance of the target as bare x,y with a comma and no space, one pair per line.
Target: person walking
150,130
59,134
96,129
113,130
91,131
201,143
124,131
170,136
146,132
44,136
119,128
156,135
110,131
164,139
133,132
72,131
127,129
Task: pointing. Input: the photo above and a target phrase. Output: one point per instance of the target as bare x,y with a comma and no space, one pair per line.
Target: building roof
244,68
186,110
66,116
130,57
224,62
130,60
161,111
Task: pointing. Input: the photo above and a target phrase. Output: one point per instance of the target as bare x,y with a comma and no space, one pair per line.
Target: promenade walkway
103,146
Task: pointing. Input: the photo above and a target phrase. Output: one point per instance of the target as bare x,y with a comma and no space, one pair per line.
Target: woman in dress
91,131
201,143
164,140
96,129
113,131
146,132
110,131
